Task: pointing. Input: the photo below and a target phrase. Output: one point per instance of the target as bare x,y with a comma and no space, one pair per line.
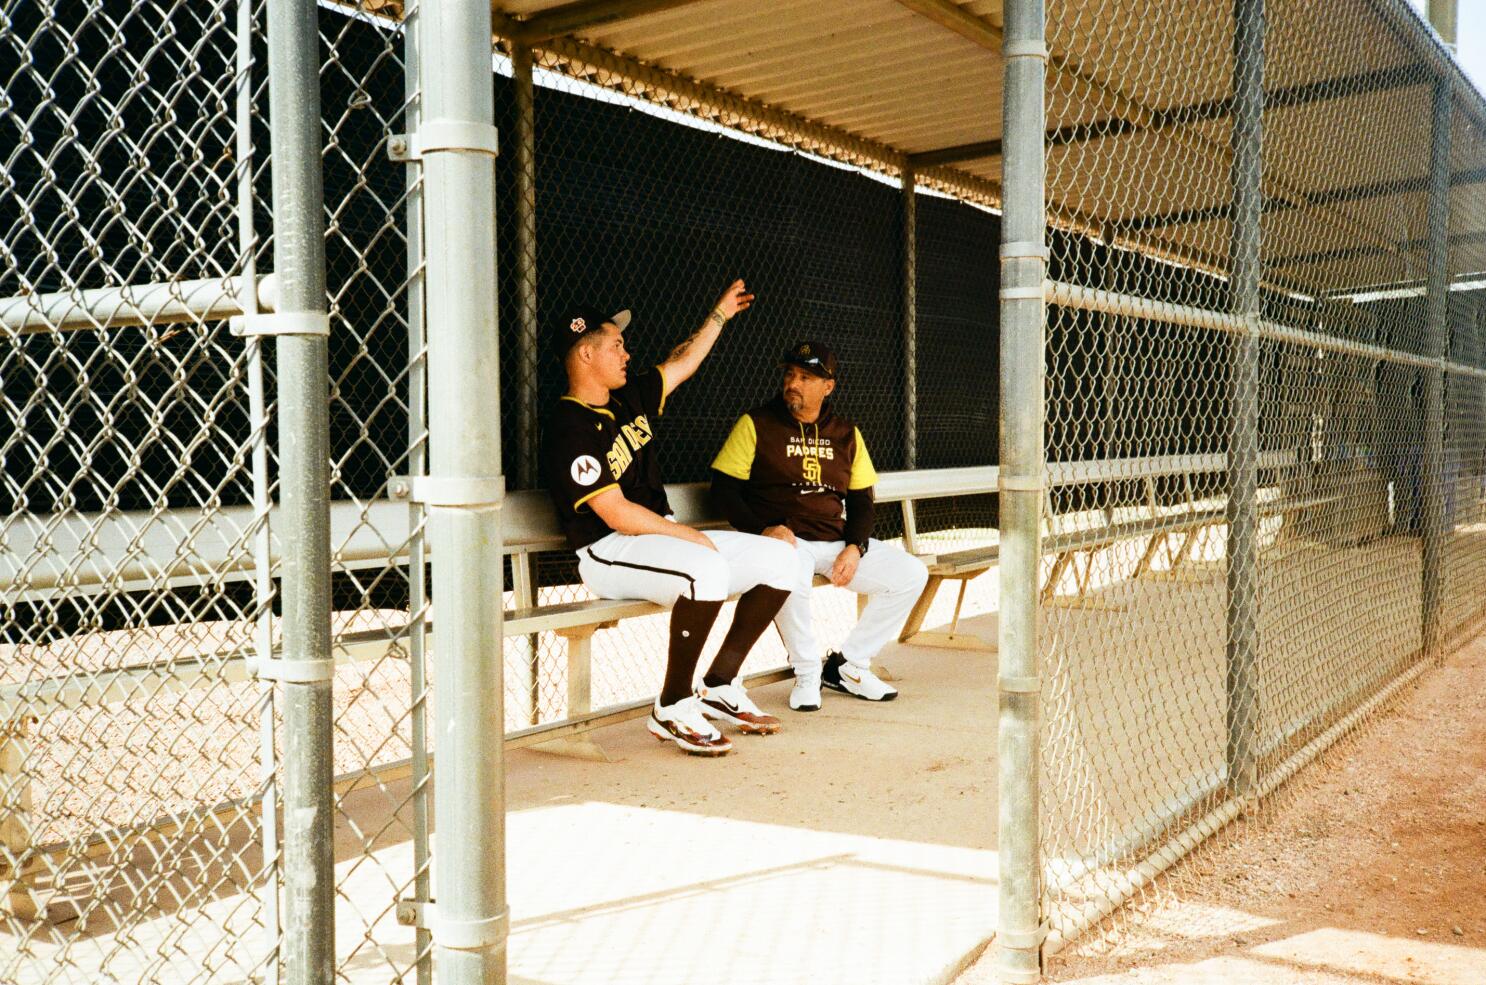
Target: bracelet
721,318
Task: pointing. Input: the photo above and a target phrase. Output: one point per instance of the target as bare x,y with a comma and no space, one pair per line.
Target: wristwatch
861,548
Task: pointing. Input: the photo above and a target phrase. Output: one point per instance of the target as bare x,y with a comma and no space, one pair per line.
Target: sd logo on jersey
585,470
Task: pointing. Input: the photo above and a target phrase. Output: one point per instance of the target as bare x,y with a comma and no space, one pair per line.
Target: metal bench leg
526,597
580,695
17,889
1144,564
1054,576
954,639
1081,599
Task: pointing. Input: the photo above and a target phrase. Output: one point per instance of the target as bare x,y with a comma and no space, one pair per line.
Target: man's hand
845,568
695,536
780,532
734,300
683,361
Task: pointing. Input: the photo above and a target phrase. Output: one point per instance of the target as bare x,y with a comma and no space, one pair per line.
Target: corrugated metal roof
1138,127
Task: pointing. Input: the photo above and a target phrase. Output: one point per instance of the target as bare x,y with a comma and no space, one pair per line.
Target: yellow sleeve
863,475
736,457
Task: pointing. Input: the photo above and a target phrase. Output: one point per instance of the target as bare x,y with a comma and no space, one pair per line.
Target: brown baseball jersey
797,472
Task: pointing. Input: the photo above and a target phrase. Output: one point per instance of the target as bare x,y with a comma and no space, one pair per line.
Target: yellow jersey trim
863,475
600,489
736,456
597,410
661,410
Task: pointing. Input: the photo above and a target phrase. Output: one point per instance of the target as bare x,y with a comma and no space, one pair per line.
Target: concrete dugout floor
858,845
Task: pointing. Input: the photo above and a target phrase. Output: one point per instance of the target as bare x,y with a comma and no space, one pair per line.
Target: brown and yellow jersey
794,473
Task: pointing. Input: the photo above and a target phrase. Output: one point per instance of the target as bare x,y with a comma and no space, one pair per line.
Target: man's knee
710,574
804,567
778,564
919,570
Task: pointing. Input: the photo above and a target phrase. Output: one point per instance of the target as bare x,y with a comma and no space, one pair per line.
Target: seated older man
795,470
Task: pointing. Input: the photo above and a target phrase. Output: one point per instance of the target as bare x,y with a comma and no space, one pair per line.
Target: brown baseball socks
691,621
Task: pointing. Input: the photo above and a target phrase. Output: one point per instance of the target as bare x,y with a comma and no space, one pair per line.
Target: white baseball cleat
730,703
858,681
684,724
805,695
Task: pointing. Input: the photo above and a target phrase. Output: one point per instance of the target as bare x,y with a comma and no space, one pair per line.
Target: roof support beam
1355,252
582,15
1380,80
956,155
1106,94
1331,196
958,19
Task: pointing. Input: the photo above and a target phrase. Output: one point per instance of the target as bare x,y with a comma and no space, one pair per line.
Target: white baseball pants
890,577
662,569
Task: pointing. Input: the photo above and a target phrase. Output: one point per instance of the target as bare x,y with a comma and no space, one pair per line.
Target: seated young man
604,476
795,471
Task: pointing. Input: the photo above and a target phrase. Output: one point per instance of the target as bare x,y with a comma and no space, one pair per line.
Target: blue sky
1471,43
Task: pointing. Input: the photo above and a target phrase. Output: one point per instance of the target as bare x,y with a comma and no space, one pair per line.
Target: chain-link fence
1265,353
1259,214
142,559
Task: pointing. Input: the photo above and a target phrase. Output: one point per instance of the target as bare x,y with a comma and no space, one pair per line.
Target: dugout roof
1138,111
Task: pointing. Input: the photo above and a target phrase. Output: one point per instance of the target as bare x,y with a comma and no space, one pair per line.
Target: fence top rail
43,555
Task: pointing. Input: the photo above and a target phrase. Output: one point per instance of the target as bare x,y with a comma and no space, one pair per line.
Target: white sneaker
684,724
730,703
805,695
839,675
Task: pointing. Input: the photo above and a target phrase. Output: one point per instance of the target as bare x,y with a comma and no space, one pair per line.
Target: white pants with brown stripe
890,577
662,569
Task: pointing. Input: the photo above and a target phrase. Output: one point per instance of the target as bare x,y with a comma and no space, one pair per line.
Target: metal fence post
1437,340
910,342
910,317
304,489
418,544
464,491
1243,438
262,542
524,153
1023,312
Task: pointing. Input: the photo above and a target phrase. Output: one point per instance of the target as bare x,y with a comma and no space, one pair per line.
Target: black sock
756,609
691,621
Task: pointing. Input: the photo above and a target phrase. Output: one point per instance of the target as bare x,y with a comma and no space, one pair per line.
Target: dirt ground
1369,868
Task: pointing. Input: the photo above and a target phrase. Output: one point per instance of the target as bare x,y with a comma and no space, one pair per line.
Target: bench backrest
42,555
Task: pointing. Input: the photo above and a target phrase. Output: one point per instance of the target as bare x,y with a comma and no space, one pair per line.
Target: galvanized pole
1243,437
910,343
304,489
525,155
1437,340
1444,17
1019,932
464,490
262,545
417,544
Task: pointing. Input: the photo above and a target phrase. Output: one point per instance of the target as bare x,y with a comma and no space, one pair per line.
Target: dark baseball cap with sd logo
813,358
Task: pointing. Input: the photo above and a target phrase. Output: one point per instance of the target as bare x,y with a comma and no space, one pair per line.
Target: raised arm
687,357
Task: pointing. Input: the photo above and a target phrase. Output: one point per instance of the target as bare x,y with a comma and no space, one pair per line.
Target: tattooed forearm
681,350
715,318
